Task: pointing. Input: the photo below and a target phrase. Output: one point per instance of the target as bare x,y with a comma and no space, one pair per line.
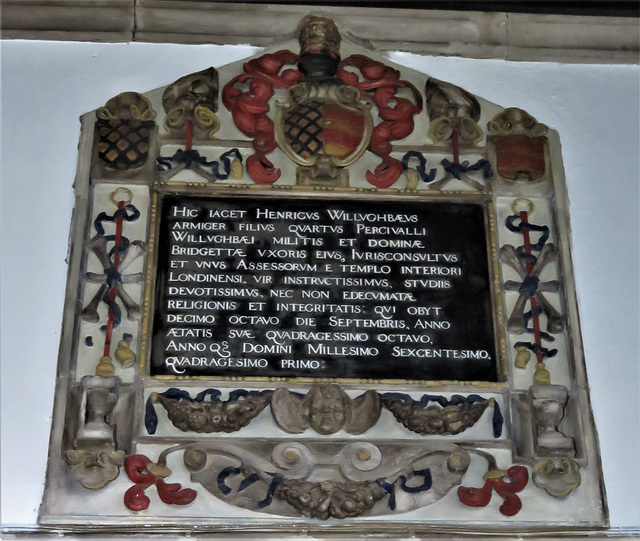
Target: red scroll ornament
516,477
381,83
145,473
249,108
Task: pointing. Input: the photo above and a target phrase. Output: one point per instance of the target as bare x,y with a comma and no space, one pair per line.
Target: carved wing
288,412
365,412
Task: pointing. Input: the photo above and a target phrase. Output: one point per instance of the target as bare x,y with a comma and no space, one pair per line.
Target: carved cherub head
197,416
326,409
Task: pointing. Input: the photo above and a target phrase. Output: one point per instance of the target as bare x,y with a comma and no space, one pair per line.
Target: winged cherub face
329,409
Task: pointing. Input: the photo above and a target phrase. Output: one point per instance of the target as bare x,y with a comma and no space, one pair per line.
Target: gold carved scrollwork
442,128
127,106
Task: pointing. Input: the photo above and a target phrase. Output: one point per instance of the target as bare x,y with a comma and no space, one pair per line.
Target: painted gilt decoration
323,291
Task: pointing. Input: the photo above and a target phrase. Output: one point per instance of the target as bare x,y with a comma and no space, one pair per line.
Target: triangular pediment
403,111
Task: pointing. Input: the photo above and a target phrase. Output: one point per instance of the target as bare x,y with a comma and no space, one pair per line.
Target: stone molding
508,36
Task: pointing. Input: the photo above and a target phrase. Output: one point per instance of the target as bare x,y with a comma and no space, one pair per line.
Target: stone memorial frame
320,137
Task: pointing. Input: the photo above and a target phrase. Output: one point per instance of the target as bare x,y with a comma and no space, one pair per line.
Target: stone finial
547,404
318,34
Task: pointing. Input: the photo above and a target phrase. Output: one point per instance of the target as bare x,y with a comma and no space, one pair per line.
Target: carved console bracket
96,454
555,469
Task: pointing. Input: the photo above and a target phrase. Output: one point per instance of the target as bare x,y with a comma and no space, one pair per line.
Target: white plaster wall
46,86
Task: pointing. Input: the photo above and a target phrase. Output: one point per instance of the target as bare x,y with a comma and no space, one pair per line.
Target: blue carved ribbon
511,225
538,348
247,482
192,156
151,417
426,485
530,284
128,213
390,488
277,479
222,476
455,400
230,470
112,304
457,169
422,167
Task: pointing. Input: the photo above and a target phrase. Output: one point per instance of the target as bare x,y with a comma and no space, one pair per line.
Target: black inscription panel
323,288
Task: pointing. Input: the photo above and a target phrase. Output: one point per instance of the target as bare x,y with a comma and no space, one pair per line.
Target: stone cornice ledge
554,38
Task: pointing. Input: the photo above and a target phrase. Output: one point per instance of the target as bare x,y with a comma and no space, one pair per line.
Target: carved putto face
197,417
328,409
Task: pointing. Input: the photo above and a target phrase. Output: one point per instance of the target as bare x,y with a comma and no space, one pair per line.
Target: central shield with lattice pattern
315,128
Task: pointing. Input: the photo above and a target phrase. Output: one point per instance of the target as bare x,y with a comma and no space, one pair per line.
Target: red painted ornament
249,108
380,84
517,478
145,473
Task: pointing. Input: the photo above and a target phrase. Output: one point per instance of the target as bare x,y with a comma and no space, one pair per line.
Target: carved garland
326,409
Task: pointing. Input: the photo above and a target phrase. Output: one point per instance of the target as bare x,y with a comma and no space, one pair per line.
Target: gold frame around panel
327,193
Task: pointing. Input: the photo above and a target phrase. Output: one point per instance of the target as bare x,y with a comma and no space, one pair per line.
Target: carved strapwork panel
301,480
322,290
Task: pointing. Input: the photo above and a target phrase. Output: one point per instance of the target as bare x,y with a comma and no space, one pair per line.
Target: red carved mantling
380,84
249,108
